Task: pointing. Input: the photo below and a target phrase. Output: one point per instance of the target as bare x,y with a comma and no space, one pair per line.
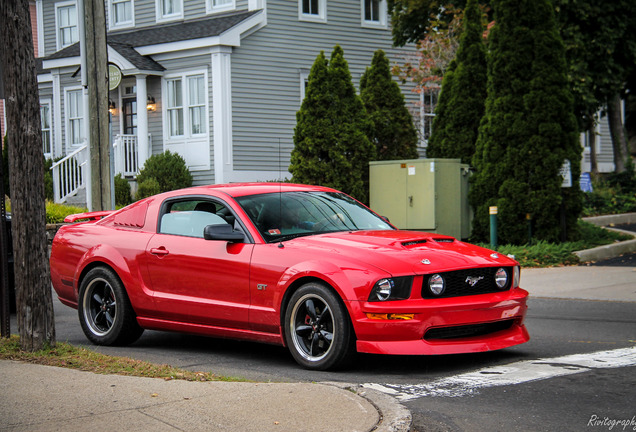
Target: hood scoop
412,243
444,240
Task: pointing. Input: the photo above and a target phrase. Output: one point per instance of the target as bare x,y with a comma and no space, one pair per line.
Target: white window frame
47,103
79,118
113,24
427,111
321,16
211,8
381,22
58,36
304,80
186,104
160,17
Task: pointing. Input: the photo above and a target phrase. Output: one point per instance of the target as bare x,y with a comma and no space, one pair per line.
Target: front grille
458,283
466,331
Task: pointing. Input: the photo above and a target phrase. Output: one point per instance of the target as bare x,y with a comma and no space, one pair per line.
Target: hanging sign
114,77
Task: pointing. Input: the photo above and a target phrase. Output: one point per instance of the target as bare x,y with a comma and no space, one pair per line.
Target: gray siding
48,25
266,75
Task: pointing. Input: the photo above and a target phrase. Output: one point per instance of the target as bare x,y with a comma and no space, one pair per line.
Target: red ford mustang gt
302,266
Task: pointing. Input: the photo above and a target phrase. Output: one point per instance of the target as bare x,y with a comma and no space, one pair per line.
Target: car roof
244,189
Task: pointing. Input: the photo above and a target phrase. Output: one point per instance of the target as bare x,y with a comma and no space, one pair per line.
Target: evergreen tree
438,135
461,105
392,130
330,143
528,128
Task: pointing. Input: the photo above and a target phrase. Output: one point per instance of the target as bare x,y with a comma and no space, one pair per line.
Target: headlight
516,276
397,288
383,291
501,278
436,284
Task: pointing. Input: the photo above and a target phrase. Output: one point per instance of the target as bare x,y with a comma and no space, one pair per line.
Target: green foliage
48,179
614,194
169,172
148,187
392,130
461,102
544,254
331,147
600,47
411,20
123,196
528,128
55,213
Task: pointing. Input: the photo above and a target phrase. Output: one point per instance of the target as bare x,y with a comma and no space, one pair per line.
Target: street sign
566,173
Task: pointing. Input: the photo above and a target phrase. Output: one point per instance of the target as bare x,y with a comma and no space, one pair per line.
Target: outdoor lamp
151,105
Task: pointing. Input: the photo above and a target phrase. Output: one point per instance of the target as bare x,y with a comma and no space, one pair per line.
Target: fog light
395,316
436,284
501,278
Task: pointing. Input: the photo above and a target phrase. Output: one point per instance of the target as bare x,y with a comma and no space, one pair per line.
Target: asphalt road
558,328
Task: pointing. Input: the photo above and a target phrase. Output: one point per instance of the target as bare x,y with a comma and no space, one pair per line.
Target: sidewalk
44,398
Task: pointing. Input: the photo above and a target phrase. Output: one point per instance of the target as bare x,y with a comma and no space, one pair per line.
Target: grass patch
542,254
72,357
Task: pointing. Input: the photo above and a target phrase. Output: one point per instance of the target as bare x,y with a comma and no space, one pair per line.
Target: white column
143,151
222,112
57,114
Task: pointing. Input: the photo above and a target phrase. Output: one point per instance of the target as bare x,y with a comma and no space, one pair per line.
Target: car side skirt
208,330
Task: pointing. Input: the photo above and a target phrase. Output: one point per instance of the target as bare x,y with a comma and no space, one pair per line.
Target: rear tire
318,332
105,313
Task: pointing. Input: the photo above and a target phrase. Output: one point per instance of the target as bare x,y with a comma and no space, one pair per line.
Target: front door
129,111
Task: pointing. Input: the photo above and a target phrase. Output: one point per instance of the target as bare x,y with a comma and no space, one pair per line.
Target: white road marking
511,374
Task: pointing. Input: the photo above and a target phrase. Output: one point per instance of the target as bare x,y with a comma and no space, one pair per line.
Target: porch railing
69,174
126,153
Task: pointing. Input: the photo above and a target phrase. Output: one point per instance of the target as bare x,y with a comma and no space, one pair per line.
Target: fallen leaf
154,395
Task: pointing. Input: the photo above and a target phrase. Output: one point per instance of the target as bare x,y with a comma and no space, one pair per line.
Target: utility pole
97,81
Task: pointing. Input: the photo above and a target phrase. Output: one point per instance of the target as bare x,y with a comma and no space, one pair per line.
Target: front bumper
468,324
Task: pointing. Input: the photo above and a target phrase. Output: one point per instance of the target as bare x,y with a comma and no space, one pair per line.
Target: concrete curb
611,250
394,417
607,220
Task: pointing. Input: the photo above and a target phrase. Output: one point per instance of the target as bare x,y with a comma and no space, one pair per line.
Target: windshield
286,215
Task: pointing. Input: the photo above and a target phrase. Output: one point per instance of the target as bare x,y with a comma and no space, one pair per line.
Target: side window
189,217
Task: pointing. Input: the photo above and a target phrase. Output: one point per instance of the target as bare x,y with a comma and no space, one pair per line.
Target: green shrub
148,187
544,254
55,213
613,194
123,196
169,171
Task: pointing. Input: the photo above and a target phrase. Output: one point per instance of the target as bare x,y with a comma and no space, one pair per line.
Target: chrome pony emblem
425,261
472,280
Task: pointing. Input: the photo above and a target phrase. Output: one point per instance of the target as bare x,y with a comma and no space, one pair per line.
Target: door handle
159,251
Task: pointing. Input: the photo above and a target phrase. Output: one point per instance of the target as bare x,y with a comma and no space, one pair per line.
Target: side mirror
223,232
385,219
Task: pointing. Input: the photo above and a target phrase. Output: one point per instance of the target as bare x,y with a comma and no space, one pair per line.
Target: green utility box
423,194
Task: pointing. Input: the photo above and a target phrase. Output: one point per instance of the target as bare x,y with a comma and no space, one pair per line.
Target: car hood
402,252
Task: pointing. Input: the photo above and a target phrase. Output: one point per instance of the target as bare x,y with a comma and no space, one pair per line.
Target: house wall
266,76
604,149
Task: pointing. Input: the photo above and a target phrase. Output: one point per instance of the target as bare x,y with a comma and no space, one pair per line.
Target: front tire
105,313
317,328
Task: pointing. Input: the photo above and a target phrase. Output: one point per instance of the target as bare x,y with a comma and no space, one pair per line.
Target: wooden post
97,80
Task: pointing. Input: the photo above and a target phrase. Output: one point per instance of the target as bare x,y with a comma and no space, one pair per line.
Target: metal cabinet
422,194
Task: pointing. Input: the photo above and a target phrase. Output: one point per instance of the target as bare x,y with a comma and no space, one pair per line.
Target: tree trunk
26,169
617,130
